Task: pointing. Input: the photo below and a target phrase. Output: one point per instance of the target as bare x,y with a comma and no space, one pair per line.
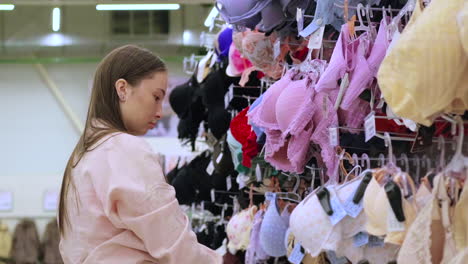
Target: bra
377,207
367,67
430,238
258,48
321,233
243,12
273,230
239,227
255,252
460,220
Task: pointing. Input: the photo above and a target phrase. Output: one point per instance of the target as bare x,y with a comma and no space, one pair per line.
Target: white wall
36,137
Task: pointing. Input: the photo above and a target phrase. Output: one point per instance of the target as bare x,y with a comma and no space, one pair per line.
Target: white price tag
240,181
360,239
393,225
351,208
51,200
212,195
334,136
220,156
229,96
228,183
299,19
203,205
276,49
6,201
210,168
296,255
315,40
338,211
258,173
369,126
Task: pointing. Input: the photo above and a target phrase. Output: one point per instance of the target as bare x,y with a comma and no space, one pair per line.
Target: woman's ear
121,87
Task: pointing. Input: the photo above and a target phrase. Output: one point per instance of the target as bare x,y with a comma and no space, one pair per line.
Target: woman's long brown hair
131,63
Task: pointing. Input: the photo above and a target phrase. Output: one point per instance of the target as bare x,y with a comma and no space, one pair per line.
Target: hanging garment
26,247
50,244
239,227
461,257
308,259
430,238
462,19
273,230
377,208
460,220
136,217
255,252
5,241
426,72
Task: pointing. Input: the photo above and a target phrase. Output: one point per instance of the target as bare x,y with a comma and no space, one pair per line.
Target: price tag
212,195
299,19
393,225
334,136
51,200
258,173
277,49
6,201
210,168
375,242
228,183
218,159
203,205
369,126
296,255
229,96
351,208
338,211
360,239
315,40
240,181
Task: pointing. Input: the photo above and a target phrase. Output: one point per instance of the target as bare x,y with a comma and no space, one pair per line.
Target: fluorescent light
106,7
56,19
211,17
7,7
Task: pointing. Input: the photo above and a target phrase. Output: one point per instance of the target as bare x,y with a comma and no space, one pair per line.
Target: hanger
365,158
459,162
441,149
404,158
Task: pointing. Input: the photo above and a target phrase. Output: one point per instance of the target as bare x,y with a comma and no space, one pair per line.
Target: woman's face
141,105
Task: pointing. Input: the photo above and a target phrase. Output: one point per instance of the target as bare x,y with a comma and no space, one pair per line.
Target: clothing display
342,135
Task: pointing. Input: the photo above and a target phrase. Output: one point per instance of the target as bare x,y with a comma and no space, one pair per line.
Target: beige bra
429,239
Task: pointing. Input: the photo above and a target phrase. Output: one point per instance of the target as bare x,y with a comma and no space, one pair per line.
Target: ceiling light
7,7
56,19
211,17
106,7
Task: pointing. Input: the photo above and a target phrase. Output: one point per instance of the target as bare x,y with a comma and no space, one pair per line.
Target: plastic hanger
441,149
459,162
365,158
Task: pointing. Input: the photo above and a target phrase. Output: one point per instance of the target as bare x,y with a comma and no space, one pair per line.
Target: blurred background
49,51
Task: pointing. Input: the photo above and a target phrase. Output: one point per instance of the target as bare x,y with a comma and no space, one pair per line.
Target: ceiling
94,2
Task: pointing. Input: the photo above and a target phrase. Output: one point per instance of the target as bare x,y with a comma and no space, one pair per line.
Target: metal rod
372,8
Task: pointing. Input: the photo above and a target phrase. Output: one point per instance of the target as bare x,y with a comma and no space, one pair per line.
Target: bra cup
273,231
318,227
410,212
373,199
289,102
460,219
238,229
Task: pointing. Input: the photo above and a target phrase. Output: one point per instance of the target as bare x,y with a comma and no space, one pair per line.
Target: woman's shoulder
123,142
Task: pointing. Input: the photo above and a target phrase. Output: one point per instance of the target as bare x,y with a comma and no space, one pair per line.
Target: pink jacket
124,212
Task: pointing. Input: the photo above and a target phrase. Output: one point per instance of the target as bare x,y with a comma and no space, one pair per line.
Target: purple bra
366,68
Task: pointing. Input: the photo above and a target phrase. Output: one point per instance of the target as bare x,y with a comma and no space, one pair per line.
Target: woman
115,205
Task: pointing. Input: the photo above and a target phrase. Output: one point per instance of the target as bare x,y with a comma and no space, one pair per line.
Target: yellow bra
426,72
377,206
